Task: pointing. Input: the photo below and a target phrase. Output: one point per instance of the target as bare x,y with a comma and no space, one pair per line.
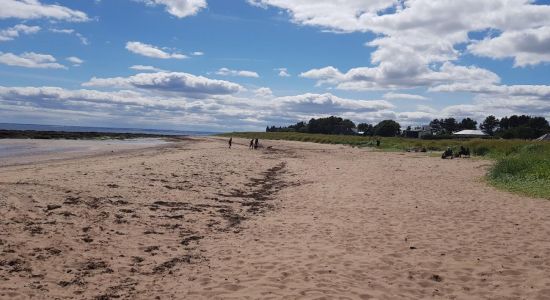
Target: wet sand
24,151
195,220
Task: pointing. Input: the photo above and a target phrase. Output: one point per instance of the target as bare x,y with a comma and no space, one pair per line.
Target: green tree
449,125
367,129
490,125
387,128
435,124
468,123
331,125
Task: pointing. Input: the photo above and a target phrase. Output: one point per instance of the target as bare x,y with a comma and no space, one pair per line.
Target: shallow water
17,148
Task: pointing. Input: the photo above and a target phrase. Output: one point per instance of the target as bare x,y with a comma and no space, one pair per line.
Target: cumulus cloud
151,51
419,41
146,68
283,72
75,61
170,82
403,96
11,33
263,92
528,47
197,53
337,15
30,60
33,9
330,104
228,112
541,91
387,77
45,94
240,73
179,8
251,110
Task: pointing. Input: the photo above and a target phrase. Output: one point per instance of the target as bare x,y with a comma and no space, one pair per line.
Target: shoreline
33,151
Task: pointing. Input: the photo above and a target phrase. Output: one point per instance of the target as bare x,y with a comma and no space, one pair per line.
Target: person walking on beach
230,142
256,144
251,146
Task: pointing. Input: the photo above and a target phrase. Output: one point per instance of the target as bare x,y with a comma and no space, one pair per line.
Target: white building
470,133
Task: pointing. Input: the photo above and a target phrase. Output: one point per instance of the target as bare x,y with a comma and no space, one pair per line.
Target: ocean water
12,126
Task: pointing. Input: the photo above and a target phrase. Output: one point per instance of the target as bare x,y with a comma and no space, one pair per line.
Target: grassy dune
520,166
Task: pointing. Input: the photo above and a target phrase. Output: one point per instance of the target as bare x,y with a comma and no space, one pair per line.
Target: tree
539,124
330,125
387,128
468,123
435,124
299,127
367,129
490,125
450,125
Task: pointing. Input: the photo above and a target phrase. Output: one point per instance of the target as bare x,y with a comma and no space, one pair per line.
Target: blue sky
270,62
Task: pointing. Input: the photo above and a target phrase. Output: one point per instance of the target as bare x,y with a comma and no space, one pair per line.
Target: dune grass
520,166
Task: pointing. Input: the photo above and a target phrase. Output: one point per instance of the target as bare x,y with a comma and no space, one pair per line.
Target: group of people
464,152
254,143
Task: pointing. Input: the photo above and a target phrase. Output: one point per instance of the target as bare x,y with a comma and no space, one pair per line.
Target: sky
225,65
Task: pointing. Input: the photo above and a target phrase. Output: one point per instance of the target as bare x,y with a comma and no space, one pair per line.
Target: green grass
520,166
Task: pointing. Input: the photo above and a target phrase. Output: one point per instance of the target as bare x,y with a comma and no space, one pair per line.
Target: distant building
418,132
470,133
545,137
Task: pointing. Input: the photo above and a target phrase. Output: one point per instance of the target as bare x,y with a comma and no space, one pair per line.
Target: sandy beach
195,220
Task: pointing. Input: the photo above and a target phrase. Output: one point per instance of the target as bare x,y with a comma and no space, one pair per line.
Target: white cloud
179,8
224,112
337,15
64,31
387,77
197,53
403,96
146,68
229,112
30,60
417,41
240,73
528,47
170,82
75,61
330,104
263,92
33,9
283,72
541,91
151,51
11,33
82,38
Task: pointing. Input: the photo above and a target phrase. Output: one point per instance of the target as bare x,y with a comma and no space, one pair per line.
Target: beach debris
52,207
436,278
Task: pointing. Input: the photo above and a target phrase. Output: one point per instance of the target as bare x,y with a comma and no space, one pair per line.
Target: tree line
337,125
518,127
515,127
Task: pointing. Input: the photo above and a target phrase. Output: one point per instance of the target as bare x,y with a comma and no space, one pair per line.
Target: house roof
470,132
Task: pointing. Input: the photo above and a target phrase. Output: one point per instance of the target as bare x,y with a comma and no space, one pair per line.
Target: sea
13,126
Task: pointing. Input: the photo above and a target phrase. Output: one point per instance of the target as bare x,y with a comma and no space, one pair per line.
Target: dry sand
195,220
